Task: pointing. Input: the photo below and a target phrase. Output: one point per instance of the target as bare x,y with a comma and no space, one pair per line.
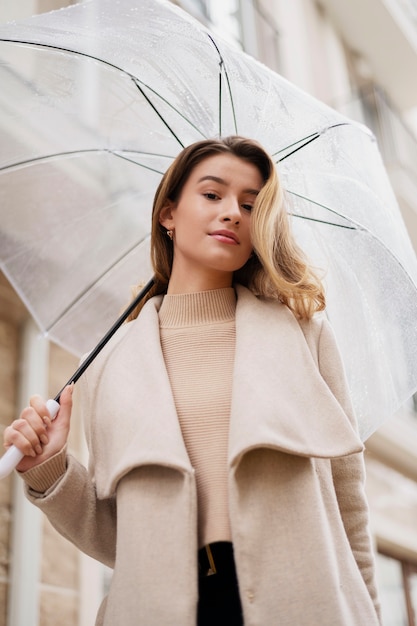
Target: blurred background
359,57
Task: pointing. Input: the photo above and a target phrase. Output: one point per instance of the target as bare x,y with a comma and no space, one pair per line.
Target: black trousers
219,600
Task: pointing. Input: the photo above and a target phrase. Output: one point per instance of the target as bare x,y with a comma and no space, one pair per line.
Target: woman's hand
36,435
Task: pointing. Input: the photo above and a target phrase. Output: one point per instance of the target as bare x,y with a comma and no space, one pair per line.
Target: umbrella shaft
90,358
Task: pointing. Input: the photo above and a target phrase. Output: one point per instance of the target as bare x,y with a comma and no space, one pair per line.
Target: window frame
408,568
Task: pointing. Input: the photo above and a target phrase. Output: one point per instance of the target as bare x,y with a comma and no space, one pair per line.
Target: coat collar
279,399
142,420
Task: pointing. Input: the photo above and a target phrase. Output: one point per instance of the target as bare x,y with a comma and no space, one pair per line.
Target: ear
166,217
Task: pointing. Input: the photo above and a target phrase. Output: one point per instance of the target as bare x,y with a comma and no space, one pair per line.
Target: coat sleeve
66,492
349,472
72,507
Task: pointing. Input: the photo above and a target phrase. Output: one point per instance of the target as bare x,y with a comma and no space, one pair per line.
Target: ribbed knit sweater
198,343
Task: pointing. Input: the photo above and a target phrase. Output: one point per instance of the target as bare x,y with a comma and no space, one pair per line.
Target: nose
231,212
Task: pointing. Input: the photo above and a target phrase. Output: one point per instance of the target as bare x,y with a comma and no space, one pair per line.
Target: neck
196,282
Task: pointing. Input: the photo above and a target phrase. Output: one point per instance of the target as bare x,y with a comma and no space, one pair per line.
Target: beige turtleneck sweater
198,344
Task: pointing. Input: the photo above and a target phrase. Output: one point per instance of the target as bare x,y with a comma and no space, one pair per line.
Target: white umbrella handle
13,456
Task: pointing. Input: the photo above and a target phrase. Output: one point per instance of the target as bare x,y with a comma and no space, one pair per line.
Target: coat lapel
142,427
279,399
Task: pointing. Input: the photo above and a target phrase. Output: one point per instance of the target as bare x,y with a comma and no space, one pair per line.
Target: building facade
359,57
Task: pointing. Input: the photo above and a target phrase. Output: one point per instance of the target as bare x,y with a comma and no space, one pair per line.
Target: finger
66,396
21,434
39,405
38,423
32,432
65,402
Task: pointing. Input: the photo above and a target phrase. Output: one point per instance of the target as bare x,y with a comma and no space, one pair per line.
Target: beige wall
19,9
59,576
11,314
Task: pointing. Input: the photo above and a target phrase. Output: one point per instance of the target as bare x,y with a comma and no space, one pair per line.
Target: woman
221,435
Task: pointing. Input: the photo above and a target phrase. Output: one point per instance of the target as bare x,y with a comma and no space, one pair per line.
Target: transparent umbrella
98,99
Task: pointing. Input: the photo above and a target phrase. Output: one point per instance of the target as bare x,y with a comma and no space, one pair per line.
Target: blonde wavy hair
279,269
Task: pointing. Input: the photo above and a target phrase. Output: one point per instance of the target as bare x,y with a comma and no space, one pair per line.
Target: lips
226,236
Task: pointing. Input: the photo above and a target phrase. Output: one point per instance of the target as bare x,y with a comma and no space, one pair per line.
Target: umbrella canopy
98,99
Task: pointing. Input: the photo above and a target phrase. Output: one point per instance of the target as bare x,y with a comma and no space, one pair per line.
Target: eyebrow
221,181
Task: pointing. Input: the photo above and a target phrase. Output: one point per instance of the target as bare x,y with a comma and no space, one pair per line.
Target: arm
58,484
349,472
72,507
348,480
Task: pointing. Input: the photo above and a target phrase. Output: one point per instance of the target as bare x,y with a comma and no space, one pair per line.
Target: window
267,33
224,18
410,9
221,16
411,577
414,402
397,583
246,24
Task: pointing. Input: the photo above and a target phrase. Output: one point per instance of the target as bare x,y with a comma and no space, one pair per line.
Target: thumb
65,403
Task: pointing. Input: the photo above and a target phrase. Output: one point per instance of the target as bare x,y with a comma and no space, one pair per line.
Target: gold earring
170,234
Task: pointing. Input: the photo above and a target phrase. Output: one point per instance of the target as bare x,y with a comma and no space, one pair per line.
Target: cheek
248,233
182,224
247,248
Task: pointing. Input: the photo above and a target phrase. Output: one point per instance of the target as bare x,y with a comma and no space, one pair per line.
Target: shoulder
275,325
112,343
147,316
260,305
316,332
269,307
320,337
315,326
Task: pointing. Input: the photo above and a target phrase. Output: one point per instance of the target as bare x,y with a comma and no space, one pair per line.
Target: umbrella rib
95,282
231,98
358,227
48,157
76,52
112,65
223,67
137,81
220,99
309,138
299,148
313,135
153,107
314,219
323,206
118,153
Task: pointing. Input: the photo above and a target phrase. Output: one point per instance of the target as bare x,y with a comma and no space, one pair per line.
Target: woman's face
211,223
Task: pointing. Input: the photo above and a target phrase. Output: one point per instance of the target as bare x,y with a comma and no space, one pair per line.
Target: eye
247,207
210,195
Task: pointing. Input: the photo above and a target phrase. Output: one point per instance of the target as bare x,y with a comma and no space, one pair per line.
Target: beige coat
298,513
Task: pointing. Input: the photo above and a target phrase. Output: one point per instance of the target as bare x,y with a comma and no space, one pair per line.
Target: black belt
216,559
